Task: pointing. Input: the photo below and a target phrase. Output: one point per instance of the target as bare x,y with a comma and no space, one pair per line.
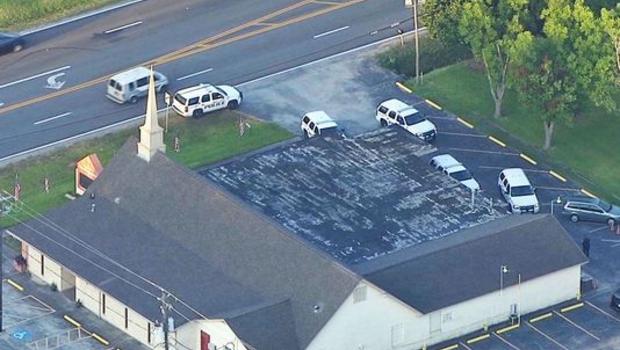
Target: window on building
103,303
42,265
126,318
359,294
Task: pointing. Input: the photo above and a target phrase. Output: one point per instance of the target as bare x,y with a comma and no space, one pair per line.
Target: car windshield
461,175
414,118
180,99
605,206
221,91
522,191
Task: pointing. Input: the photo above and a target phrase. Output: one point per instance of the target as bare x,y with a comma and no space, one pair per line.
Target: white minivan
203,98
133,84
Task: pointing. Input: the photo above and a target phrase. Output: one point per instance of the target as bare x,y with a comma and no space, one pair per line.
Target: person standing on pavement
585,246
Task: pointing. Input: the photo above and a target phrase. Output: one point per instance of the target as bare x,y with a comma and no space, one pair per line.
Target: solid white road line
524,169
80,17
461,134
546,336
577,326
34,76
558,188
110,31
395,37
481,151
330,32
506,341
195,74
43,121
603,312
599,229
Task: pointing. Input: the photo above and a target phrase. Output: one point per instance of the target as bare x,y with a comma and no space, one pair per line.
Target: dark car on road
10,42
591,209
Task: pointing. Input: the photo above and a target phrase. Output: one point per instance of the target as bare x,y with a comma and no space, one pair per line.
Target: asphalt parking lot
350,86
36,318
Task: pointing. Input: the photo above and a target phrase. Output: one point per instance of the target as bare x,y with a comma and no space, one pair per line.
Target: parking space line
403,87
465,346
546,336
577,326
478,338
461,134
465,122
557,188
588,193
603,311
481,151
506,341
528,159
497,141
439,117
571,308
557,176
433,104
525,170
599,229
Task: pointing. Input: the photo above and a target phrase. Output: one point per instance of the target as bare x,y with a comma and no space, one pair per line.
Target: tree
442,20
490,28
543,82
584,48
610,20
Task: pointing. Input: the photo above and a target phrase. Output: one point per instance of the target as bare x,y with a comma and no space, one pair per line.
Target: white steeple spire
151,134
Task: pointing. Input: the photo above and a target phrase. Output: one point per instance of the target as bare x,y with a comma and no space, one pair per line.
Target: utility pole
165,307
416,35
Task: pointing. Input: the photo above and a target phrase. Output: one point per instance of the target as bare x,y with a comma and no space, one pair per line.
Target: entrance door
205,339
435,322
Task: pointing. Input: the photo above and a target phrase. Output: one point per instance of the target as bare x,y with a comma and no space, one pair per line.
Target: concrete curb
80,17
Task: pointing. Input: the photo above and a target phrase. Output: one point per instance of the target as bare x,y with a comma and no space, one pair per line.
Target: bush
433,55
53,287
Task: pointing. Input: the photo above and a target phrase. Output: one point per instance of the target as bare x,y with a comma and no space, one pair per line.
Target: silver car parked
591,209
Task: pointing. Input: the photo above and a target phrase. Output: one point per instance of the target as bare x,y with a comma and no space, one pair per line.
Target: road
191,41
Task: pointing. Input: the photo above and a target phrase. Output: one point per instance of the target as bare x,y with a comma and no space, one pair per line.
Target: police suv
198,100
397,112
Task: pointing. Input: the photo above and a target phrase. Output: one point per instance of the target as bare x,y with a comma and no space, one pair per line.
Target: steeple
151,134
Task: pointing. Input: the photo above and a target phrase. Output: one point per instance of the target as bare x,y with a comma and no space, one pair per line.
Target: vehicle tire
18,47
383,123
611,222
306,135
162,88
198,113
574,218
133,99
233,104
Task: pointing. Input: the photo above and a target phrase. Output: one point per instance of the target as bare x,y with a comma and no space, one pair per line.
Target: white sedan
452,167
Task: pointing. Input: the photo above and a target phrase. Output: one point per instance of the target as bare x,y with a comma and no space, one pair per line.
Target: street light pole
416,35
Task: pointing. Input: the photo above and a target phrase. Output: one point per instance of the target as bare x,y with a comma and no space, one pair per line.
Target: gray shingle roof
178,229
464,266
357,198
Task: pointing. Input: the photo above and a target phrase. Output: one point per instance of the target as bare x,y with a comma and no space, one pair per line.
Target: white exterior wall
52,272
382,322
88,295
188,335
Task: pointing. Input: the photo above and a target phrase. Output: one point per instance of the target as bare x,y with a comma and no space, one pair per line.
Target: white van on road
133,84
204,98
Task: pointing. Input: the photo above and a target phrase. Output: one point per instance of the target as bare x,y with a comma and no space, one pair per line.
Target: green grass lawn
586,149
21,14
203,141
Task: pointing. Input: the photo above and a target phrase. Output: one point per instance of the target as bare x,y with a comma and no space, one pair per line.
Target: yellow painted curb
496,140
477,339
72,321
15,285
403,87
465,122
541,317
557,176
100,339
507,329
588,193
572,307
451,347
528,158
433,104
